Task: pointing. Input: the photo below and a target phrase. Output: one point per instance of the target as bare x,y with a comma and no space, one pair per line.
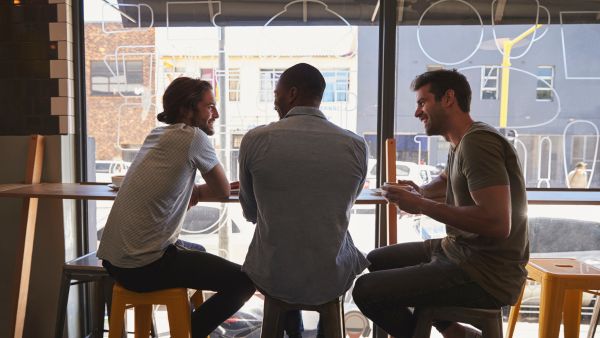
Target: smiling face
431,112
205,113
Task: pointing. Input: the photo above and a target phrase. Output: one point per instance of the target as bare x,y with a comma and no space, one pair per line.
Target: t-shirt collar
305,110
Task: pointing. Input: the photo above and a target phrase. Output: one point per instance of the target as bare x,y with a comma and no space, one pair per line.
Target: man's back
304,174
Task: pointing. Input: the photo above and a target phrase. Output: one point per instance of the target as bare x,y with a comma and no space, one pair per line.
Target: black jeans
414,275
187,265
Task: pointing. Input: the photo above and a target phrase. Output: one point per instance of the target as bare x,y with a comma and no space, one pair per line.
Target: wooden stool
178,309
331,315
489,321
595,316
563,281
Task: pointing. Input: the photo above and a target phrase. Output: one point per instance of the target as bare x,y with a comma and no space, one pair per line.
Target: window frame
549,79
485,77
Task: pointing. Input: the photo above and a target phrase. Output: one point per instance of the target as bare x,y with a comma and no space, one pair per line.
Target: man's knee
246,287
360,291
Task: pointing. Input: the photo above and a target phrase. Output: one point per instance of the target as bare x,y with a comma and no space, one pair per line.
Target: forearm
473,219
205,192
435,190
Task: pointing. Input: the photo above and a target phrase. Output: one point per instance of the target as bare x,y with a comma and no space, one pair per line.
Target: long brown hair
181,95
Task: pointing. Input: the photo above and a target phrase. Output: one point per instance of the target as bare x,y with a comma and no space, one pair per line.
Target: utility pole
221,74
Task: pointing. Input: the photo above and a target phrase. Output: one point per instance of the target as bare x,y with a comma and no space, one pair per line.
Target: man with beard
481,262
140,248
299,178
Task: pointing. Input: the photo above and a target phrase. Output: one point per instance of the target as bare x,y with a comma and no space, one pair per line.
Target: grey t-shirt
482,159
299,178
150,206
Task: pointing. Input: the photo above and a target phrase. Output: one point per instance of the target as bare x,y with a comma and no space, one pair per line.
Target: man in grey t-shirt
481,262
140,247
299,178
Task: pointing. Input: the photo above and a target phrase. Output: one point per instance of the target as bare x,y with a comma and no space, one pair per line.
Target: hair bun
162,117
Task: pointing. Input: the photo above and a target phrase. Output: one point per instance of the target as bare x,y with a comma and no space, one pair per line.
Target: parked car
418,173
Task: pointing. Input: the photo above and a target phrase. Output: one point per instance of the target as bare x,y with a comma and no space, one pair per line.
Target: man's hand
195,197
406,197
412,184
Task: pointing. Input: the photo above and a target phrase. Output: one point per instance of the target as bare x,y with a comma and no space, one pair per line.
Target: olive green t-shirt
482,159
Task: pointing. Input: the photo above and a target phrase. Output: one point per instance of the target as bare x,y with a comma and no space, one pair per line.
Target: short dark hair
441,81
308,79
181,95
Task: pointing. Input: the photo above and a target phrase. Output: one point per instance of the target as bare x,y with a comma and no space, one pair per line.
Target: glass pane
545,71
450,33
242,53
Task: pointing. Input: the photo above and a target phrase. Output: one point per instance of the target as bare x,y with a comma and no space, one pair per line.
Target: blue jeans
414,275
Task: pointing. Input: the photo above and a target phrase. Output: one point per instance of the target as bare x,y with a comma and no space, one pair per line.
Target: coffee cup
117,180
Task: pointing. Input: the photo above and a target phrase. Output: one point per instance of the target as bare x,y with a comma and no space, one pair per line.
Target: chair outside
331,315
563,281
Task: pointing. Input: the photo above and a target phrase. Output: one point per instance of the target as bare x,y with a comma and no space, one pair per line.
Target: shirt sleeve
364,159
202,153
247,199
483,160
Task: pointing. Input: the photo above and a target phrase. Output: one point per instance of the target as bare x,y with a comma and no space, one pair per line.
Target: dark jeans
187,265
414,275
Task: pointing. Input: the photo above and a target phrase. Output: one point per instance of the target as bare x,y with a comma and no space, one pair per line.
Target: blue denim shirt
299,179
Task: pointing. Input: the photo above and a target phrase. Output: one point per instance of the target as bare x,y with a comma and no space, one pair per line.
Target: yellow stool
563,281
178,309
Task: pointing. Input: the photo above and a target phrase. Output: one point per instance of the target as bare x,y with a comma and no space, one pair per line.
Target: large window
545,74
234,85
489,83
268,81
135,50
120,78
337,85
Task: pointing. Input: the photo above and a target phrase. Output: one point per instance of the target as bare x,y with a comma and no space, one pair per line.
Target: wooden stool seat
489,321
563,281
176,300
331,315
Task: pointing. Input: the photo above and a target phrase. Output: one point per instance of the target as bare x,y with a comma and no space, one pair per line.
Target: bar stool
487,320
331,315
176,300
84,269
594,320
563,281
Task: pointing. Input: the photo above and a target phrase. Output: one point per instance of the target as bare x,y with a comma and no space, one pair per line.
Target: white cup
117,180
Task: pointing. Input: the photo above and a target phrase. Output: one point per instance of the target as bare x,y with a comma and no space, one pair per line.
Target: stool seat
176,300
489,321
331,315
563,281
84,269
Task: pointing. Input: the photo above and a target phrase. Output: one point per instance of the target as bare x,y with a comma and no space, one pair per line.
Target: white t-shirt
152,200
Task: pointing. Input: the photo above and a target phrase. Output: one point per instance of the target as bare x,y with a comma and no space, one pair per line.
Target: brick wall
117,122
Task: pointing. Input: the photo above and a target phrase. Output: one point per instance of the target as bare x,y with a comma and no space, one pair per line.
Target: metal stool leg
63,299
273,319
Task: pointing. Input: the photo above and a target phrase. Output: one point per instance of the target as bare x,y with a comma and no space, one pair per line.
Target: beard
206,127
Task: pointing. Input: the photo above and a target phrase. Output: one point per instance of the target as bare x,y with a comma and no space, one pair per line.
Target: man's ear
293,94
449,98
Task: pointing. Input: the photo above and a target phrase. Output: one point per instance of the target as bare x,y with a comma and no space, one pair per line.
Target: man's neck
458,128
